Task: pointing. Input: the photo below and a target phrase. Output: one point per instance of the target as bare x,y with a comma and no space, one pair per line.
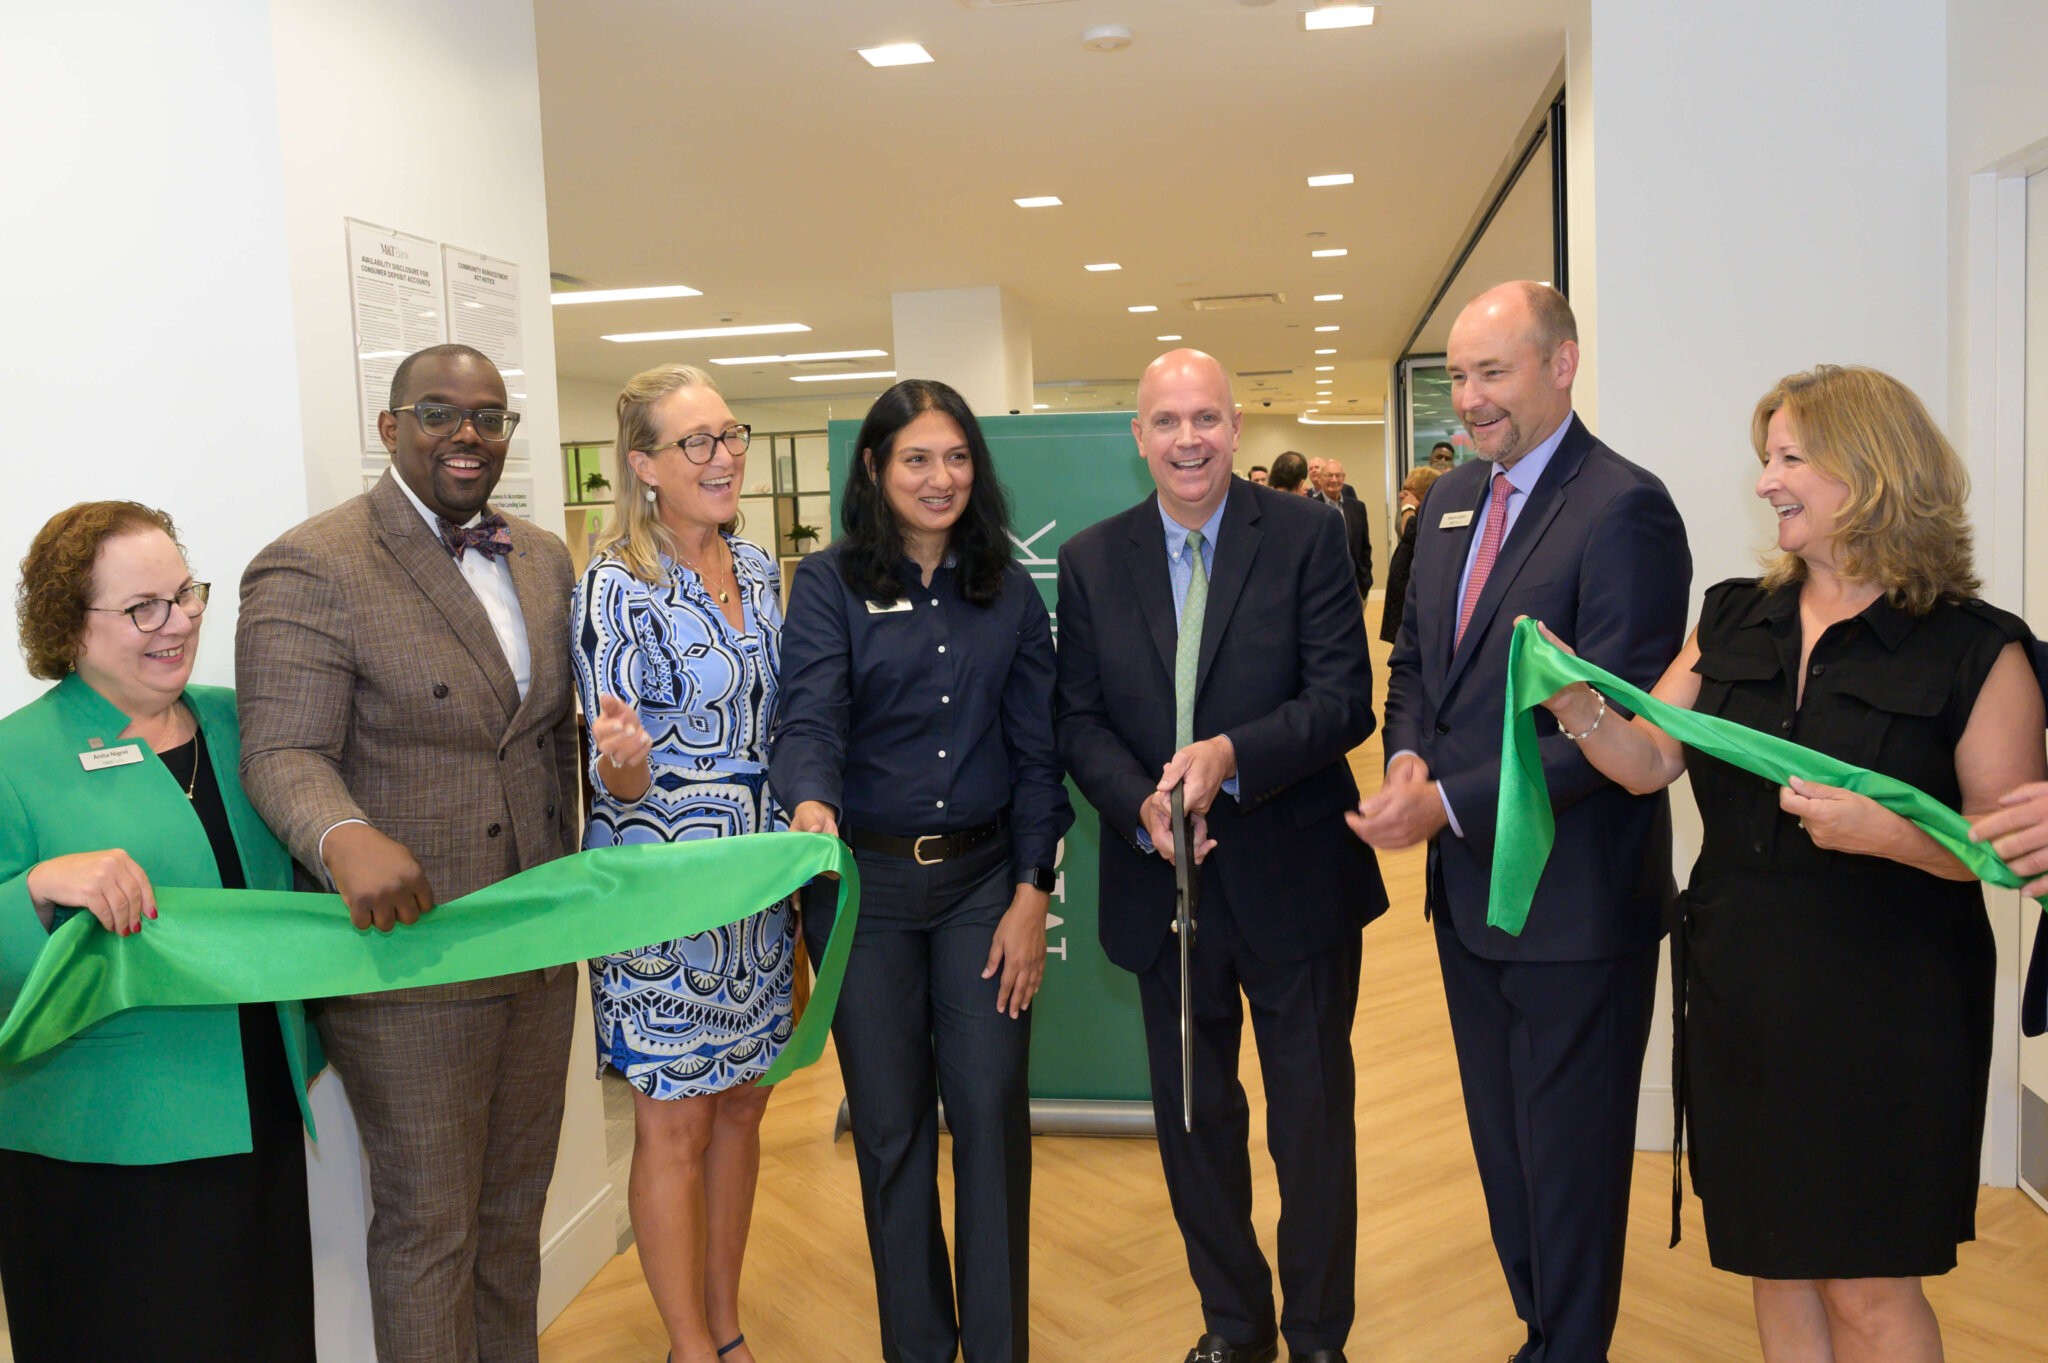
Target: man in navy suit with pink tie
1550,1026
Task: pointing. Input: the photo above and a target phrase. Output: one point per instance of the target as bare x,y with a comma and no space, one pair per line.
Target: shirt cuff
320,850
1449,813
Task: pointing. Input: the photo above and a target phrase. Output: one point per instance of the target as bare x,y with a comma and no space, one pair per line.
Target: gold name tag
126,755
889,607
1455,520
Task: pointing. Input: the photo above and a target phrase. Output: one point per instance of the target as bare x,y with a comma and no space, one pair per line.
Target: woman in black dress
1836,967
1413,488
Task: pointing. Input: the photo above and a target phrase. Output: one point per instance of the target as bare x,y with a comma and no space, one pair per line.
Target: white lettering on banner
1031,558
1059,889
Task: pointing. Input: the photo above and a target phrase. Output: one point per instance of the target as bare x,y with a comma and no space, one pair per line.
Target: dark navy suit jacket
1284,671
1599,555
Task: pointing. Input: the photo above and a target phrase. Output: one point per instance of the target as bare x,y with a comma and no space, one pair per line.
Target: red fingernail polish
151,912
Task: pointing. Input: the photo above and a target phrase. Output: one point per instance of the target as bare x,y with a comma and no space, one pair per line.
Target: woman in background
1413,488
677,623
917,725
153,1167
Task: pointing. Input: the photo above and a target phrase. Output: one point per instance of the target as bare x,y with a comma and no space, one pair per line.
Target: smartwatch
1042,878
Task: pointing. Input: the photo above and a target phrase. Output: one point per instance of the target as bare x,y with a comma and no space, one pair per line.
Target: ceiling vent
1233,302
1262,373
828,366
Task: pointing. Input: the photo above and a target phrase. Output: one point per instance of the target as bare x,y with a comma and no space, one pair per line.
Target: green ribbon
268,946
1526,830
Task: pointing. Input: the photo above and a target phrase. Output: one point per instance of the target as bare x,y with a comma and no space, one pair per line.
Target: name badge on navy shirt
125,755
1454,520
889,607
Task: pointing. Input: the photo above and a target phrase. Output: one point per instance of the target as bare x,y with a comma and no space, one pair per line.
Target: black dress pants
1301,1022
916,1025
1550,1054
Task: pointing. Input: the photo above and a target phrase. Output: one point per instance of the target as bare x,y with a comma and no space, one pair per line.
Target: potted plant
594,484
801,537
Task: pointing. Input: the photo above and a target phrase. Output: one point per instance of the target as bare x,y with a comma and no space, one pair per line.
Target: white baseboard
575,1254
1653,1118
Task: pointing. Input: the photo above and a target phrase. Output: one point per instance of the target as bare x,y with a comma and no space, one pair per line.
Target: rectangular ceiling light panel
707,333
1336,16
894,54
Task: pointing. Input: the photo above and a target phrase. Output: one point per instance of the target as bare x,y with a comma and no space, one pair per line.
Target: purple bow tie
488,536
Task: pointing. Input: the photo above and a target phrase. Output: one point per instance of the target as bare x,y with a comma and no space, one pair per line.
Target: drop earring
650,496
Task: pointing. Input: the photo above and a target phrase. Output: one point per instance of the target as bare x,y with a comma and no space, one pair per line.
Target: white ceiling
740,147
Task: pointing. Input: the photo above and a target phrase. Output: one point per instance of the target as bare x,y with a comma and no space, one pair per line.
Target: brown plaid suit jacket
372,687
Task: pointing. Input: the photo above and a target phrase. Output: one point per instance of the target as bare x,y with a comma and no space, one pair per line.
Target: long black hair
979,540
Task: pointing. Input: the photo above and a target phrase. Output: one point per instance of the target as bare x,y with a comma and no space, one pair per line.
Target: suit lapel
1145,555
1237,544
540,601
426,560
1546,499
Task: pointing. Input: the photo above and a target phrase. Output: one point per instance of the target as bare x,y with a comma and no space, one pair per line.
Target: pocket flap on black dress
1726,665
1894,695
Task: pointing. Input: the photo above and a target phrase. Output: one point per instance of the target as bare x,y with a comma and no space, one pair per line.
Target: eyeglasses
440,418
152,615
697,448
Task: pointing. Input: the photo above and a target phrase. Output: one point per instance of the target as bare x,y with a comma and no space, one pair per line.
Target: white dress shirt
490,577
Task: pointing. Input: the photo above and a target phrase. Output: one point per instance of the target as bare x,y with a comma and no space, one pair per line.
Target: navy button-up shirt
922,715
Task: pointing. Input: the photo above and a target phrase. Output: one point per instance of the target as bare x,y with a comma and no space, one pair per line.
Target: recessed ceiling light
1326,328
1328,251
905,54
1104,266
1325,181
1336,16
1166,338
1322,402
707,333
1324,383
825,378
1142,307
1329,298
1038,201
1040,406
804,359
625,295
1323,369
1327,351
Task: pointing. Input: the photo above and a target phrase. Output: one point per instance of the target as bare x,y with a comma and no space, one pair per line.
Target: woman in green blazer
152,1171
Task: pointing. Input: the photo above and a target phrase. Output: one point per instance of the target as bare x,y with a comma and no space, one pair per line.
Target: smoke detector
1106,38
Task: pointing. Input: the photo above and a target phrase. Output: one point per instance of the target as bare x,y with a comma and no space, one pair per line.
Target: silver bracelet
1598,715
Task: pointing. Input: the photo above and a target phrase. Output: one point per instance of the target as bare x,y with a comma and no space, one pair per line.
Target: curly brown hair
56,577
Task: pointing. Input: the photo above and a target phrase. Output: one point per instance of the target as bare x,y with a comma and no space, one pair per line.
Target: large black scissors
1187,887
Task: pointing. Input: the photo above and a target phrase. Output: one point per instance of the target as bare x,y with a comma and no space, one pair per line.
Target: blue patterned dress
700,1014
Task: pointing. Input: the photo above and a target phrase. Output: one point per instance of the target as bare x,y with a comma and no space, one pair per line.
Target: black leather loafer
1217,1349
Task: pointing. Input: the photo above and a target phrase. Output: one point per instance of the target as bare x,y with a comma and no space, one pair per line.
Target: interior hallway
1109,1278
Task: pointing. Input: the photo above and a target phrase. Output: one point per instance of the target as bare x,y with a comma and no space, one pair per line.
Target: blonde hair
1419,479
1903,528
641,539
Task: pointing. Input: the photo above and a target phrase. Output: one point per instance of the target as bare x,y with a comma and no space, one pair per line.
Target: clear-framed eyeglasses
152,615
697,448
442,418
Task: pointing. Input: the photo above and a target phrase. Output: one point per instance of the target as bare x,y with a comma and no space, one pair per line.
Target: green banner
266,946
1526,830
1064,472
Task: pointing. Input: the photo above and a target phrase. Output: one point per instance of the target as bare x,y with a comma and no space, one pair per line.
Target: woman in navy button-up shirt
916,722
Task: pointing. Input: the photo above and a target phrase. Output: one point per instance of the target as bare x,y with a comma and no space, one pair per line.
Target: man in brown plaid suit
404,677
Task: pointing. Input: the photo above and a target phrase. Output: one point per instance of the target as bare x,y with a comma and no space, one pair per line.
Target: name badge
125,755
1454,520
889,608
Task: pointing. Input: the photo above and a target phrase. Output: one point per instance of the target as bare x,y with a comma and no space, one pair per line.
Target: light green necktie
1526,829
1187,653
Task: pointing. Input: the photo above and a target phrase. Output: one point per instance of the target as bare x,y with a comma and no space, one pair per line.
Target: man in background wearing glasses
403,667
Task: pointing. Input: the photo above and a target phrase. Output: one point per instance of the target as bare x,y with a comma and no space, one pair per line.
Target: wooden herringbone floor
1109,1281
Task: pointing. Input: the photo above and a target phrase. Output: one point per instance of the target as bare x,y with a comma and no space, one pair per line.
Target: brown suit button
551,811
492,831
541,742
440,690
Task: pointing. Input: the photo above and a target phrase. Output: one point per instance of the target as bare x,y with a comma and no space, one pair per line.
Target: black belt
926,849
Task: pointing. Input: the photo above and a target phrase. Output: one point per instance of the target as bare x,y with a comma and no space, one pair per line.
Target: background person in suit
1174,664
1357,538
403,661
1549,1026
1290,475
1257,474
152,1168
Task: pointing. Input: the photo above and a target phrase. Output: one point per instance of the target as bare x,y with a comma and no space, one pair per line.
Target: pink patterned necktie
1489,550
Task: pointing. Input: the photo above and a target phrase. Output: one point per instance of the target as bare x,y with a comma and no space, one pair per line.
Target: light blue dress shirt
1180,572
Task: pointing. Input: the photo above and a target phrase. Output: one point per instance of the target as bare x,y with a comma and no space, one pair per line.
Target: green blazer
150,1085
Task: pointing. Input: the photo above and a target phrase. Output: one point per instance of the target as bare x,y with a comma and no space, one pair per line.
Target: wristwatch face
1042,878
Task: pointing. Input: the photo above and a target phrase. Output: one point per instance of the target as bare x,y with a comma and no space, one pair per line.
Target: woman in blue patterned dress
678,629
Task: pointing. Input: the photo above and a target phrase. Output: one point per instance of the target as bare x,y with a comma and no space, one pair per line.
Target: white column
976,340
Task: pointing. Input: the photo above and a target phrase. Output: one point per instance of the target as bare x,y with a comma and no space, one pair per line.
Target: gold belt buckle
917,849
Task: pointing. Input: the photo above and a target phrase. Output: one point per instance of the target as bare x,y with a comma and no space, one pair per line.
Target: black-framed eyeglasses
152,615
697,448
441,418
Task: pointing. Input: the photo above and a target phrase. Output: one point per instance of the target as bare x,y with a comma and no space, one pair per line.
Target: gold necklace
724,597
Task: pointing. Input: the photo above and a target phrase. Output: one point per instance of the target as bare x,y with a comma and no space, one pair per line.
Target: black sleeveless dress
1836,1010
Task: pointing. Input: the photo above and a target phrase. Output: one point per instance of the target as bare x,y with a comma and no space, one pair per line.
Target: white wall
1362,449
145,340
423,116
1770,194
